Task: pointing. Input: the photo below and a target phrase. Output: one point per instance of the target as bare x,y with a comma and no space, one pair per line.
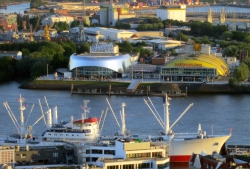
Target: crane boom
182,114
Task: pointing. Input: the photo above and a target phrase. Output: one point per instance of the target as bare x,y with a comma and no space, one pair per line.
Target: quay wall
152,88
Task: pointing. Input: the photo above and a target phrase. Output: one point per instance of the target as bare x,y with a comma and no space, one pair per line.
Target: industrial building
111,13
172,12
100,33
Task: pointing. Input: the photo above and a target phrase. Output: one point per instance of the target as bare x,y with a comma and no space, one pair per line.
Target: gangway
133,86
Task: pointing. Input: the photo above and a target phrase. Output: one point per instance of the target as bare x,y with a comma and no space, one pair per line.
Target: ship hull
181,150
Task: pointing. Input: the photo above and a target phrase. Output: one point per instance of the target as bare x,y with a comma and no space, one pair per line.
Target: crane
34,30
81,26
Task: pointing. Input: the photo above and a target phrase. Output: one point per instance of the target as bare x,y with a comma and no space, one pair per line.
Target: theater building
202,68
103,62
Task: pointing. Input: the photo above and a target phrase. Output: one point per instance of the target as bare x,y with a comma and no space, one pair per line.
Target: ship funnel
49,119
199,129
55,117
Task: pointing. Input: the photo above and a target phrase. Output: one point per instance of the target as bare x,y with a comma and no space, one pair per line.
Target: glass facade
189,71
93,72
188,74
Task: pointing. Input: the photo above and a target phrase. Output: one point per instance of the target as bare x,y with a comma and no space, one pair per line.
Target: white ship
123,151
183,145
85,129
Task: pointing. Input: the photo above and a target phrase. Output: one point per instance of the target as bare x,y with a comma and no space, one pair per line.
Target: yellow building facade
200,68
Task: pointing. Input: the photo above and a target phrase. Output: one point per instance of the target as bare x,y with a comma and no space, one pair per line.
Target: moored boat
183,145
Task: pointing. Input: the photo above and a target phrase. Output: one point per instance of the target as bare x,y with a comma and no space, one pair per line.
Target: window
23,155
55,154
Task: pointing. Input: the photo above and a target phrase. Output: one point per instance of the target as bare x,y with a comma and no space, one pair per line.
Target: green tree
36,3
61,26
125,46
205,40
85,47
120,25
241,72
20,22
246,39
38,69
231,51
7,68
206,29
2,28
218,30
239,36
195,27
227,35
25,52
182,37
75,23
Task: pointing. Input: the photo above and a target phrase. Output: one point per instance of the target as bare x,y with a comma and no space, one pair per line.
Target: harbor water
217,113
18,9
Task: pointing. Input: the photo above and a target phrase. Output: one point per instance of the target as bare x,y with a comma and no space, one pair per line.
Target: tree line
36,56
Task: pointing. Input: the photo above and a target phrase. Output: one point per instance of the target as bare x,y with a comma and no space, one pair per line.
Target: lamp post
47,70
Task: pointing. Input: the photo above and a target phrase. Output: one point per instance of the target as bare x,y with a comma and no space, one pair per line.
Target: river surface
20,8
217,113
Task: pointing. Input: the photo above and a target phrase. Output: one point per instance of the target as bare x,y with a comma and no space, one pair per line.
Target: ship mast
123,119
166,115
22,108
85,109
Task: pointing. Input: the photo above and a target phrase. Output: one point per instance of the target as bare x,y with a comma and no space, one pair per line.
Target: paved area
129,80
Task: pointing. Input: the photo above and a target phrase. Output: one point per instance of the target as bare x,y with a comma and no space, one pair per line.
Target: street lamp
47,70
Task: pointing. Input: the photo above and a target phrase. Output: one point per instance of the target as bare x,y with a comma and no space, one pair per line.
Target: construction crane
34,30
81,26
47,33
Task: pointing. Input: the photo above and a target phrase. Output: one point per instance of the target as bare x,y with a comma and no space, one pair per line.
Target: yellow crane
47,33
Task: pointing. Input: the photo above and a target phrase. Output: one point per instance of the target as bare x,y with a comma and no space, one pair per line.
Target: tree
125,46
84,47
2,28
247,39
75,23
205,40
182,37
61,26
239,36
195,27
19,21
36,3
227,35
219,29
7,68
120,25
231,51
241,72
206,28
